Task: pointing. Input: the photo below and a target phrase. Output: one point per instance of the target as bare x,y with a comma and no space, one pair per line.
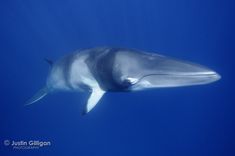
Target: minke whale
104,69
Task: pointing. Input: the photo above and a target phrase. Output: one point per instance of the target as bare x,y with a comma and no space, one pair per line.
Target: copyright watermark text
26,144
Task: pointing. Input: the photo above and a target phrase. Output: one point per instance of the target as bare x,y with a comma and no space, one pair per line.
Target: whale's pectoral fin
93,100
39,95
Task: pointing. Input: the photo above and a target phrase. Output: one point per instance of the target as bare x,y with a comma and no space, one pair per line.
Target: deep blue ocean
185,121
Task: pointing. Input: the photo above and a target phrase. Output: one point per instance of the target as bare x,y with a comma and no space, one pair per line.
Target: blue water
187,121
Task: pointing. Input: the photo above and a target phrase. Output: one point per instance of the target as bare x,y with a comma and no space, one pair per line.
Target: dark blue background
187,121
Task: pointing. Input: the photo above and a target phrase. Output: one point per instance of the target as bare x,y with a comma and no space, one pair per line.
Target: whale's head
147,71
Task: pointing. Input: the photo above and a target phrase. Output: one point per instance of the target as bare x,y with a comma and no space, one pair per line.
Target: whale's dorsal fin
50,62
94,98
39,95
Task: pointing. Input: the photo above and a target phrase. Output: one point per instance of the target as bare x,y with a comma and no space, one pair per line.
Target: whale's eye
129,81
126,83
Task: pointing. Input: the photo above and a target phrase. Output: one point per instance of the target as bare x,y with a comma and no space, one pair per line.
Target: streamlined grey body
100,70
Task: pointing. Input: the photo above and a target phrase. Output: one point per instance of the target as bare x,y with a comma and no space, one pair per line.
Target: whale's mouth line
183,75
213,75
